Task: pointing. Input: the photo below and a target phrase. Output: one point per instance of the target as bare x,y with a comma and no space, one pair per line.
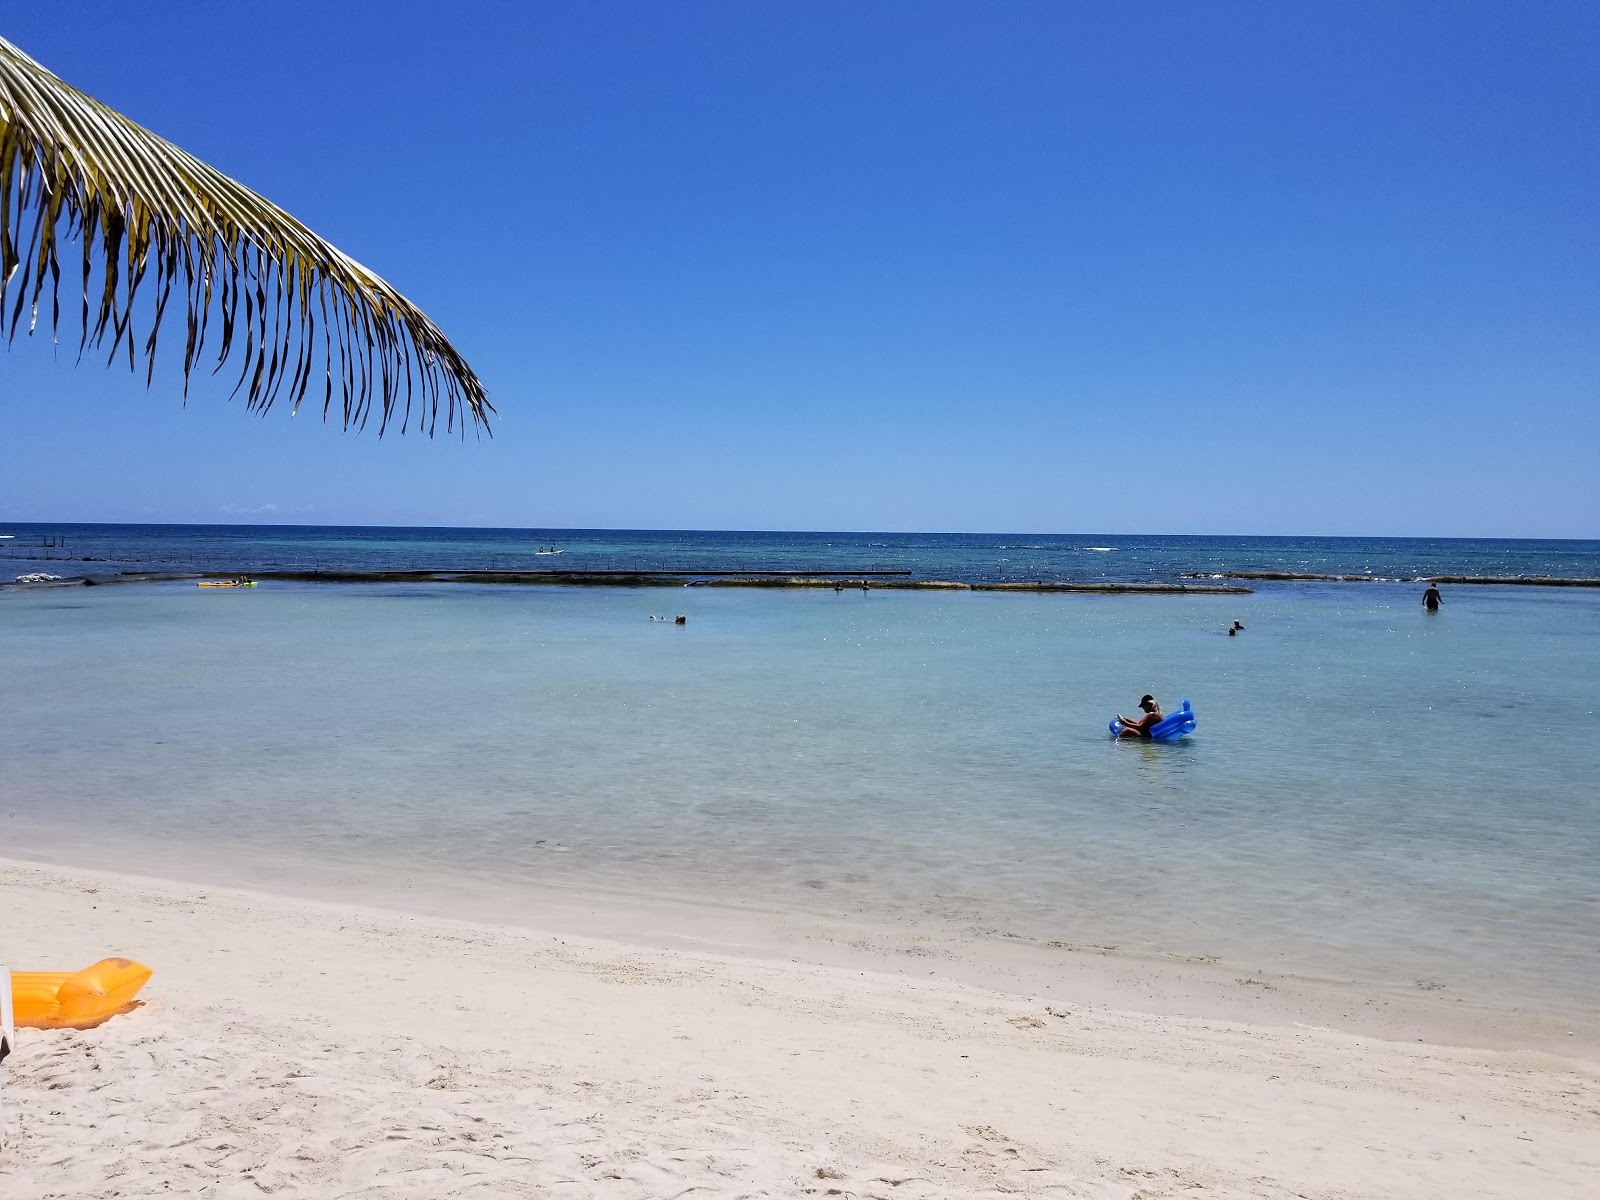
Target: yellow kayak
75,999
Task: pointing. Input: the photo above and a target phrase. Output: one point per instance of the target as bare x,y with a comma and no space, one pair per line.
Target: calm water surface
1374,794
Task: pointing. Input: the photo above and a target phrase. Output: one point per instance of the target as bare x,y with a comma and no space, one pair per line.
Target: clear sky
1275,267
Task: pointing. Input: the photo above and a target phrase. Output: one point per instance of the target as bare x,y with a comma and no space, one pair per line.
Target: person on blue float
1142,727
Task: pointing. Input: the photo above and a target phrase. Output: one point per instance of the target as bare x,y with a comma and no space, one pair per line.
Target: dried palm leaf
141,208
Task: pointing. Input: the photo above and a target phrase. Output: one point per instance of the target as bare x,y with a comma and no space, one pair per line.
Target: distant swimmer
1141,728
1430,598
1233,630
680,620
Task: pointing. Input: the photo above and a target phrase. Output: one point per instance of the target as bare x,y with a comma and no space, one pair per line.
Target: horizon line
816,532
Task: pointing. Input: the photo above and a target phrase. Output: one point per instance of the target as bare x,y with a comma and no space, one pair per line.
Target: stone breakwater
883,580
893,580
947,585
1298,577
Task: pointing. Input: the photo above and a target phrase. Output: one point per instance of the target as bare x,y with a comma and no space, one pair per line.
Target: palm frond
143,210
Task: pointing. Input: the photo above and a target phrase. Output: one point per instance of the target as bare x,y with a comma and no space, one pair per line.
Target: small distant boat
226,583
548,550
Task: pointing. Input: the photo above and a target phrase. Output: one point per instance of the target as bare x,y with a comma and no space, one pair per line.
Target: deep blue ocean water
1374,794
107,549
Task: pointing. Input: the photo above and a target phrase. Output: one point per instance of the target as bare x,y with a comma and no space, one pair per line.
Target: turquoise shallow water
1374,794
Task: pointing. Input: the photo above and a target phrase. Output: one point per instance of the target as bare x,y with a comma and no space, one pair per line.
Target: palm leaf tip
145,212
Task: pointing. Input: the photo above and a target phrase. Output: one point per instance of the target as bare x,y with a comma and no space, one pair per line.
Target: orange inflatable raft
75,999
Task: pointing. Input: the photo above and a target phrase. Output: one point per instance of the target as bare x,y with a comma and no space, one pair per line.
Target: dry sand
299,1047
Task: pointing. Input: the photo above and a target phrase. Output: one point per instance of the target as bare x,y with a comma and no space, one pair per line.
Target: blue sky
1136,267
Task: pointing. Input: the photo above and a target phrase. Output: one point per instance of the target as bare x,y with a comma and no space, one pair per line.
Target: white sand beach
297,1047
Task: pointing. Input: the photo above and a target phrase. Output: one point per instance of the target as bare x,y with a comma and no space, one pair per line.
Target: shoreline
1155,982
325,1047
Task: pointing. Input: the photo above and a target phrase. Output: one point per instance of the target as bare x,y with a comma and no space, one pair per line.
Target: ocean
1090,558
1375,795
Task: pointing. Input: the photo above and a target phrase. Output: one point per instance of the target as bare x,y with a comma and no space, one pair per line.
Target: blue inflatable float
1168,728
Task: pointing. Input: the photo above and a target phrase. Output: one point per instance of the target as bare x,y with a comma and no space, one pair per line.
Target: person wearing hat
1141,728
